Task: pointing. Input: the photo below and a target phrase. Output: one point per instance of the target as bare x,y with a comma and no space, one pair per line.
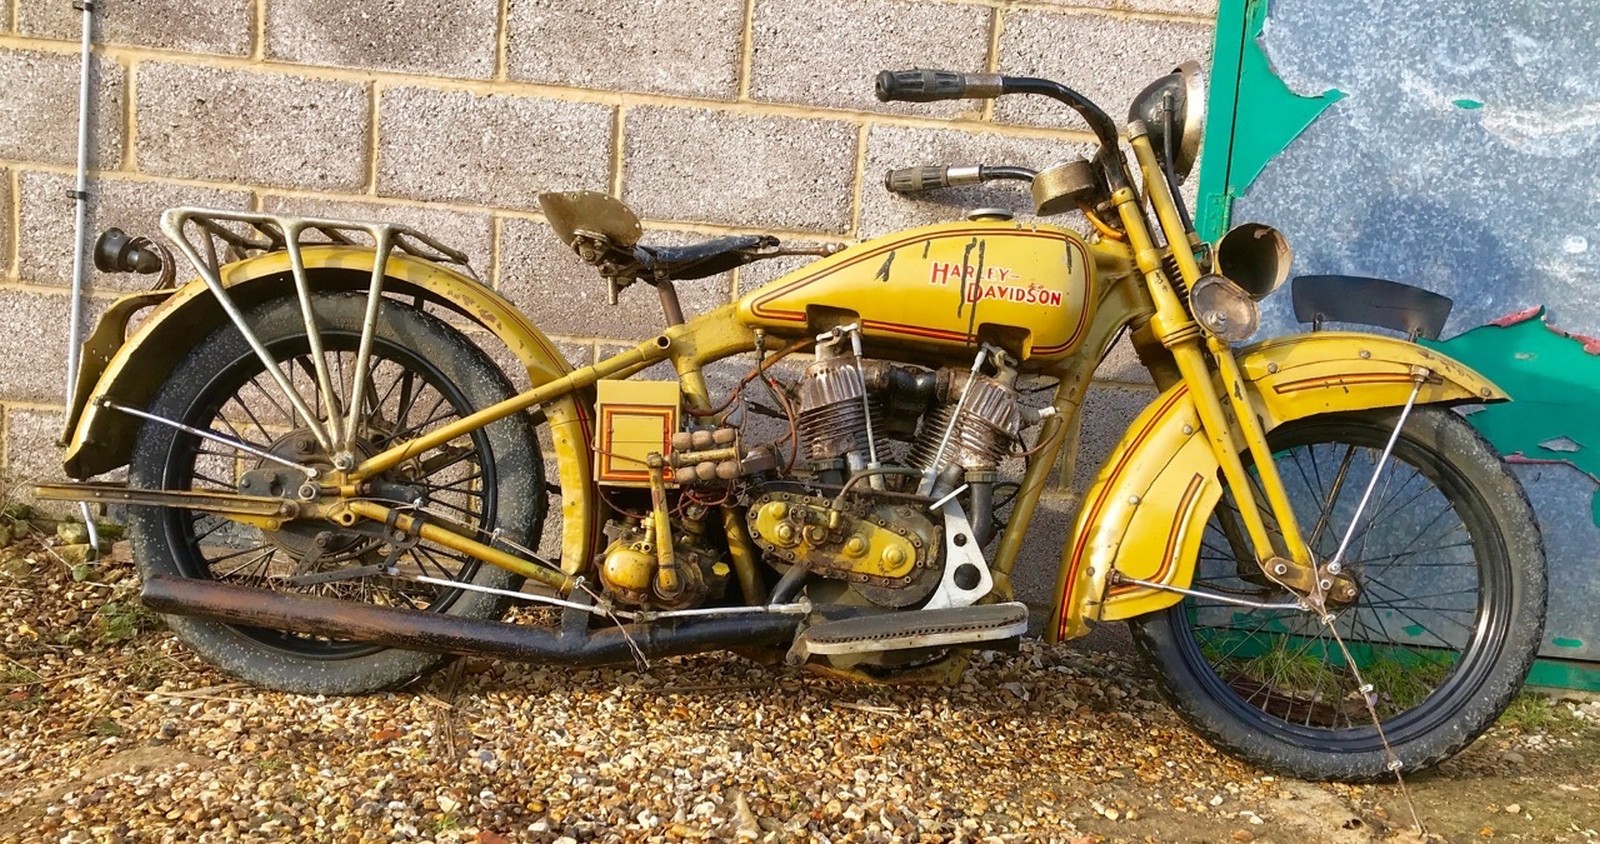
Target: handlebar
921,86
920,179
926,86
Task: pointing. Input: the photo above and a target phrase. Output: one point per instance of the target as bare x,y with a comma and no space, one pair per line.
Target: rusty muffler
440,633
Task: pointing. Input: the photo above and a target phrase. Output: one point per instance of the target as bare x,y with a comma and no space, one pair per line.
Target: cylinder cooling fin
833,415
979,438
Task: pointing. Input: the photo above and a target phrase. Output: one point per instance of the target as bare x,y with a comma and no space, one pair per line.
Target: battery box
633,419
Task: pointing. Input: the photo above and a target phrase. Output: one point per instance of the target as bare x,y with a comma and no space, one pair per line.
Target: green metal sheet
1253,116
1550,375
1565,674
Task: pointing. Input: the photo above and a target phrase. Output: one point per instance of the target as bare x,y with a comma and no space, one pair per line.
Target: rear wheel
423,375
1448,620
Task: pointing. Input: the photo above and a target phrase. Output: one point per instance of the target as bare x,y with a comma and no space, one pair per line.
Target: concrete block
39,115
739,170
437,37
32,454
829,54
257,128
35,361
1033,580
226,26
1192,8
662,371
1080,4
1106,59
723,377
1122,364
891,147
562,295
489,150
753,276
1107,412
7,245
685,47
577,353
468,231
45,239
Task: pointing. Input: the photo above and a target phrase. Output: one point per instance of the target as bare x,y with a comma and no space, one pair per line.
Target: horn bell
1254,256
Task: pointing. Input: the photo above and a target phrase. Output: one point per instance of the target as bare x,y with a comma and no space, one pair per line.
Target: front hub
1337,588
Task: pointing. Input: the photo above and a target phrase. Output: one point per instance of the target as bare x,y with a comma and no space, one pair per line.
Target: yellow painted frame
1143,516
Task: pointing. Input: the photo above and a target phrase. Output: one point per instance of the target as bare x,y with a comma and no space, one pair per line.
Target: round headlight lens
1224,309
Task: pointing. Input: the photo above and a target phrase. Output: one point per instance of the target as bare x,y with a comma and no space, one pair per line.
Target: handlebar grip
919,179
916,179
926,86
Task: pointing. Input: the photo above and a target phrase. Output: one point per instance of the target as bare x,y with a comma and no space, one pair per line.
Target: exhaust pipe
441,633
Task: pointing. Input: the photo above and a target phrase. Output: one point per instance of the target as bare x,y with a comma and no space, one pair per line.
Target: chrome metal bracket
966,573
197,232
930,476
308,471
1335,566
604,608
1117,577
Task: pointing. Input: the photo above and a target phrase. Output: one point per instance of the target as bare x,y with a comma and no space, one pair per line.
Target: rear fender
130,372
1146,511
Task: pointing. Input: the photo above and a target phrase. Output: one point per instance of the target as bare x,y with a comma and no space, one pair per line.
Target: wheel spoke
250,563
1332,498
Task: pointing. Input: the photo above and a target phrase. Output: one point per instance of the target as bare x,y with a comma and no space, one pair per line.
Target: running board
907,630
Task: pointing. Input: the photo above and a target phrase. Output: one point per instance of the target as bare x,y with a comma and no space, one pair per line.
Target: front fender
1147,509
130,372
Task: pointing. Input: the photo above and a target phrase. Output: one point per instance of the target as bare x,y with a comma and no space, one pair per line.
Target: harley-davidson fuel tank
1027,287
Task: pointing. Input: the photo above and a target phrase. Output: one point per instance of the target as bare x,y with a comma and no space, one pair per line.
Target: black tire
1445,633
424,374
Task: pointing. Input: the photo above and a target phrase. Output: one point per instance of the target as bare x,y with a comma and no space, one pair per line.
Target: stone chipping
111,731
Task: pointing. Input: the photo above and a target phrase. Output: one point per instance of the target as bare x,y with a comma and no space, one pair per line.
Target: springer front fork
1286,560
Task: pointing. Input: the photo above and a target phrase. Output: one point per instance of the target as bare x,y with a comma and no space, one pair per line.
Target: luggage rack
197,233
261,233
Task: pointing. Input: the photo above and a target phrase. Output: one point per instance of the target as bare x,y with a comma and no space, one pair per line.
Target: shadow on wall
1432,239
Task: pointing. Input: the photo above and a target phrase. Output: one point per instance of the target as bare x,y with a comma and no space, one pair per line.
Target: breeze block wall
706,116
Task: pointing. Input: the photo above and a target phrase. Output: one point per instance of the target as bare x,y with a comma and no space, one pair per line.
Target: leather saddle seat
703,259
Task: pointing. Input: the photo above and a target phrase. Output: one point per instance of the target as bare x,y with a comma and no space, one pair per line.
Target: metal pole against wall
80,196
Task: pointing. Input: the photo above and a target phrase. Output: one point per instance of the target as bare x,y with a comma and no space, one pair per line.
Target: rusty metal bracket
1326,579
225,503
400,539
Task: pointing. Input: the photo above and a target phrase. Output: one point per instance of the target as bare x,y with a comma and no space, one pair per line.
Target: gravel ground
111,731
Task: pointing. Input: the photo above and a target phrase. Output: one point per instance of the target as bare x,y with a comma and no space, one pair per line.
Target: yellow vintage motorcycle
332,485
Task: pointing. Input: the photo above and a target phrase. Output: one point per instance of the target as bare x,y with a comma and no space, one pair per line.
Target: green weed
1403,683
1531,713
123,620
1299,672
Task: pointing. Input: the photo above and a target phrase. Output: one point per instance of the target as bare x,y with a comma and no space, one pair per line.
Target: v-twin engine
852,409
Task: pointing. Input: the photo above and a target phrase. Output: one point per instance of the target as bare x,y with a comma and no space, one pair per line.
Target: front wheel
1449,617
